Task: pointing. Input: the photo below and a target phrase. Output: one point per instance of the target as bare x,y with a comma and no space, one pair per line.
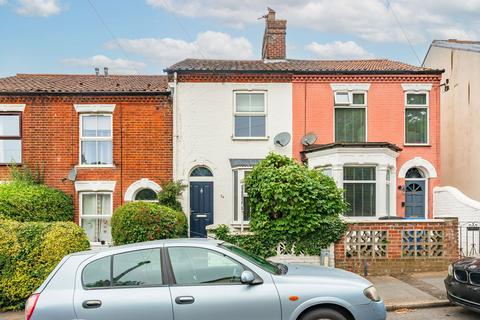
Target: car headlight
450,270
372,294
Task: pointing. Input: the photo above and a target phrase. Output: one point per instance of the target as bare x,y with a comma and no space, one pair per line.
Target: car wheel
323,314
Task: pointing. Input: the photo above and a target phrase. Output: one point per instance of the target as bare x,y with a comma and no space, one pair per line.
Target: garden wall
398,246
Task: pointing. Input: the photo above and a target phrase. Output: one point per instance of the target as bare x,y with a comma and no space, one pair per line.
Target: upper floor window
250,115
10,138
350,116
416,118
96,139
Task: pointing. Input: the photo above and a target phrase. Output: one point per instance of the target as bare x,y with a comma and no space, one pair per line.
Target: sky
145,36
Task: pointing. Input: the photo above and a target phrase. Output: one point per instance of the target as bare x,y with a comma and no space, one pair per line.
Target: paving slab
12,315
433,278
396,292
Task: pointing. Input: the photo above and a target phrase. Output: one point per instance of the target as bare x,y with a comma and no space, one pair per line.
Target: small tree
171,191
292,203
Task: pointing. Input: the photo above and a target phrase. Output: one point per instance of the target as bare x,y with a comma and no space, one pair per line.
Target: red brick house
103,139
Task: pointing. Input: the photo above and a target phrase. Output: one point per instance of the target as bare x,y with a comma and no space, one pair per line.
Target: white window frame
252,114
81,138
362,181
388,191
416,106
240,195
94,216
325,168
13,137
351,105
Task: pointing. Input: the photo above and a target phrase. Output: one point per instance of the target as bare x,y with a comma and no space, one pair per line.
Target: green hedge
29,251
145,221
34,202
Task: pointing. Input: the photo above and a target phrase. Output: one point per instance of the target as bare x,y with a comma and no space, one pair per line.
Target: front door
201,208
415,199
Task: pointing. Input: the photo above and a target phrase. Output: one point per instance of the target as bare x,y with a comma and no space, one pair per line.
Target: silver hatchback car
202,279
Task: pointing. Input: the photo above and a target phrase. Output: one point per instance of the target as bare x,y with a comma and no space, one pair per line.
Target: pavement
419,290
404,295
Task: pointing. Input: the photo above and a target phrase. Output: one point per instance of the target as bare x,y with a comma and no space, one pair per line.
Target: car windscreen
258,261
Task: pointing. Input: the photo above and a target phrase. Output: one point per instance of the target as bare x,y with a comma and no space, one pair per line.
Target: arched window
201,172
414,173
146,195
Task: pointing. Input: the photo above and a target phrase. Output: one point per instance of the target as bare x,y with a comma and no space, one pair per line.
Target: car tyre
323,314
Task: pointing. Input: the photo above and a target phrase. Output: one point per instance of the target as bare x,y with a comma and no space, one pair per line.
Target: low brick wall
398,246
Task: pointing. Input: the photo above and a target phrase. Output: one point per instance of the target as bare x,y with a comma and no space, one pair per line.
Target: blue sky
67,36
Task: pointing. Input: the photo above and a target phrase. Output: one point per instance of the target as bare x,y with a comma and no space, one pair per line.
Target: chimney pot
105,71
274,46
97,71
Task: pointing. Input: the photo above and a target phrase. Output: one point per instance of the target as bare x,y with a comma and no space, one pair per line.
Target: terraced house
373,125
103,139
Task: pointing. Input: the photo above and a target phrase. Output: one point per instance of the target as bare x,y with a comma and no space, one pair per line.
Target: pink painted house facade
377,134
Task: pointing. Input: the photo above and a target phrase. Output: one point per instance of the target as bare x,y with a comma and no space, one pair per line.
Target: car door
206,285
124,286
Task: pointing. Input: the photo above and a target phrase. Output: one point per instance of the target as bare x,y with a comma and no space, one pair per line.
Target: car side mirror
247,277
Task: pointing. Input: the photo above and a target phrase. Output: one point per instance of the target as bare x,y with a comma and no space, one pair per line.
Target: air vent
475,278
461,276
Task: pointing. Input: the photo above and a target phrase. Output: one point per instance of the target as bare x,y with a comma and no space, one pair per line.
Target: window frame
250,114
351,105
163,266
19,137
94,216
140,190
95,139
374,182
173,281
416,107
239,197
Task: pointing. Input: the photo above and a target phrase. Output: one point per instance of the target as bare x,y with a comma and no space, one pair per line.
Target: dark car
463,283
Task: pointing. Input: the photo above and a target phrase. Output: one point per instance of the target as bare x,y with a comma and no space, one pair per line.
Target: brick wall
142,140
391,253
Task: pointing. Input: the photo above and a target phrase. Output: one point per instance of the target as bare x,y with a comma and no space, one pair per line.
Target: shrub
145,221
294,204
23,201
29,251
170,193
25,174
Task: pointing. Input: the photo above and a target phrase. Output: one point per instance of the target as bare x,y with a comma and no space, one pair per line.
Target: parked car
197,279
463,283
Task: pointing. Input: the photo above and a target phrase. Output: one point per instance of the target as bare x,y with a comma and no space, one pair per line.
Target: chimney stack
105,72
274,37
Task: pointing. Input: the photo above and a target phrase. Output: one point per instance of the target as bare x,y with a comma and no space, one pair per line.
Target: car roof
202,241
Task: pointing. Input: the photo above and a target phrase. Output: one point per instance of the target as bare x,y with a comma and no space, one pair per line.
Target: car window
193,266
258,261
137,268
97,274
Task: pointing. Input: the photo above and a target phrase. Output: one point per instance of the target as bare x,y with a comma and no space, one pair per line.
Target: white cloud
2,2
42,8
115,66
209,44
371,20
338,50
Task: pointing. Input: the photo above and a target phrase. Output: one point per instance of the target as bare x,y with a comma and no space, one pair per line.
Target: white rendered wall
203,130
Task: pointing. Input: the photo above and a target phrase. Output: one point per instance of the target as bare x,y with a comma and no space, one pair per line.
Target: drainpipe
175,128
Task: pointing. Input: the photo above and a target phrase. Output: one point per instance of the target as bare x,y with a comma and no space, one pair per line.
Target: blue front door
415,199
201,208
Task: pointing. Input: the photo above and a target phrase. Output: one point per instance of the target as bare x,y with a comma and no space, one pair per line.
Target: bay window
416,118
350,116
359,184
10,138
96,140
250,115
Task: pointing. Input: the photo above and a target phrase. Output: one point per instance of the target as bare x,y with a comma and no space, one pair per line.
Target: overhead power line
389,6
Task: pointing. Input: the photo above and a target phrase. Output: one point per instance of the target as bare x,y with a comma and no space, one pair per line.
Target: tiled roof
63,83
377,66
458,44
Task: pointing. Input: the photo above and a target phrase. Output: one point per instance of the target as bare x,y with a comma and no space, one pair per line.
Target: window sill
417,145
16,164
82,166
250,138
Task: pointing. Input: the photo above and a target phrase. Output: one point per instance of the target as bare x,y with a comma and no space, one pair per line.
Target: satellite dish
72,174
282,139
309,139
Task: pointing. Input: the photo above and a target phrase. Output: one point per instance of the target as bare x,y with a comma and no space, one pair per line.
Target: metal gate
469,238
